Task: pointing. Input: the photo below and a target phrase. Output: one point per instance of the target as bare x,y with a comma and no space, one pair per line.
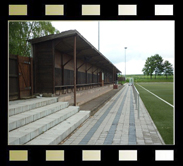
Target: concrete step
28,132
26,105
58,133
21,101
24,118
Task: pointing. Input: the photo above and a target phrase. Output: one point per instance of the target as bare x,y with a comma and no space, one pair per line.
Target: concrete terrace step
24,118
28,132
58,133
25,105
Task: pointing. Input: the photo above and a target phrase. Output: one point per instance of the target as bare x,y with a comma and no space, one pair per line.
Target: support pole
113,76
138,107
92,75
86,81
74,70
53,69
62,66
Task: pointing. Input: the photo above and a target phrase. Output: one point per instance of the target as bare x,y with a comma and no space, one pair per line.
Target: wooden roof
64,42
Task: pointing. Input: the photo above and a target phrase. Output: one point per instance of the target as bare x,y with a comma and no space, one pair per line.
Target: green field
143,78
160,112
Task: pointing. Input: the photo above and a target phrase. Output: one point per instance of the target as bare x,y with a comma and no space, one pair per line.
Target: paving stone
123,131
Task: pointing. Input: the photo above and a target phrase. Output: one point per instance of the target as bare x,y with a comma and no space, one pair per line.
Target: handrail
137,96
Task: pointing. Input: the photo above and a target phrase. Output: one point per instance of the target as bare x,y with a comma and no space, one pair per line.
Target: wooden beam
53,73
79,51
18,77
95,70
31,75
113,76
86,72
81,65
97,75
62,66
67,62
35,74
83,49
89,67
92,74
74,70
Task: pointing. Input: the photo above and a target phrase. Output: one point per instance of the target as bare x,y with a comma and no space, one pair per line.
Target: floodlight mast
125,63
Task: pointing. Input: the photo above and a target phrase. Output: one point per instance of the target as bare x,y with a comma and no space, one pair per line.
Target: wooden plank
67,61
58,76
44,67
31,75
53,63
12,94
18,78
74,70
13,75
62,65
34,67
25,77
11,56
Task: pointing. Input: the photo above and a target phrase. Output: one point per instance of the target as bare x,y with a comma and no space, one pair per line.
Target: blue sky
142,39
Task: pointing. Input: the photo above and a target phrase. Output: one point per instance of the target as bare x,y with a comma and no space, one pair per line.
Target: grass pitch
160,112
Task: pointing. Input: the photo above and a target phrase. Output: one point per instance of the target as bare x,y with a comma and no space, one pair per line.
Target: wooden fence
20,77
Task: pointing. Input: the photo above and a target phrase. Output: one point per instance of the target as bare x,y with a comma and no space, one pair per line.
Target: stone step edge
35,114
22,107
61,131
24,137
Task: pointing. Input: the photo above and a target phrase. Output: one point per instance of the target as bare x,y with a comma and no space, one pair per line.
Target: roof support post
76,76
62,66
92,74
74,70
113,76
53,68
97,75
86,73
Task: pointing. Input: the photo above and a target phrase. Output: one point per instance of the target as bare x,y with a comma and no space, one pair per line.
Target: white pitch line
156,95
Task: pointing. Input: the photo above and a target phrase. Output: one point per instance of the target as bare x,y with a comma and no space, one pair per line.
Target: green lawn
142,78
160,112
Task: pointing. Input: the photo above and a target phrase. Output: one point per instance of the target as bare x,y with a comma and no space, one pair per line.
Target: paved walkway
116,123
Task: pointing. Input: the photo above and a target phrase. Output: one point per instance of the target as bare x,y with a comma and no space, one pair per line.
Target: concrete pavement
117,123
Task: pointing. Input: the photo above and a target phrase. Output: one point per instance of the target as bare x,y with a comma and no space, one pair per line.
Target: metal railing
137,97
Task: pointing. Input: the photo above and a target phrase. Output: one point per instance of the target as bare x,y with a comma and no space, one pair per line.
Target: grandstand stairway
43,121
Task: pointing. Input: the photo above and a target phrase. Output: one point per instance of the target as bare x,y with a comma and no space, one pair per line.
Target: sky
142,39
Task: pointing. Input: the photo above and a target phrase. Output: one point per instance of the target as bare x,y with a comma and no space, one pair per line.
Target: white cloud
143,39
132,66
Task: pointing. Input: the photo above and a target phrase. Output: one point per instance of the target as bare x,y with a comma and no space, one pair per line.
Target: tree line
20,32
155,64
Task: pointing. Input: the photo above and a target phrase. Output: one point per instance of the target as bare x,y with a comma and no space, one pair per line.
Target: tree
20,32
149,66
158,62
153,64
168,69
